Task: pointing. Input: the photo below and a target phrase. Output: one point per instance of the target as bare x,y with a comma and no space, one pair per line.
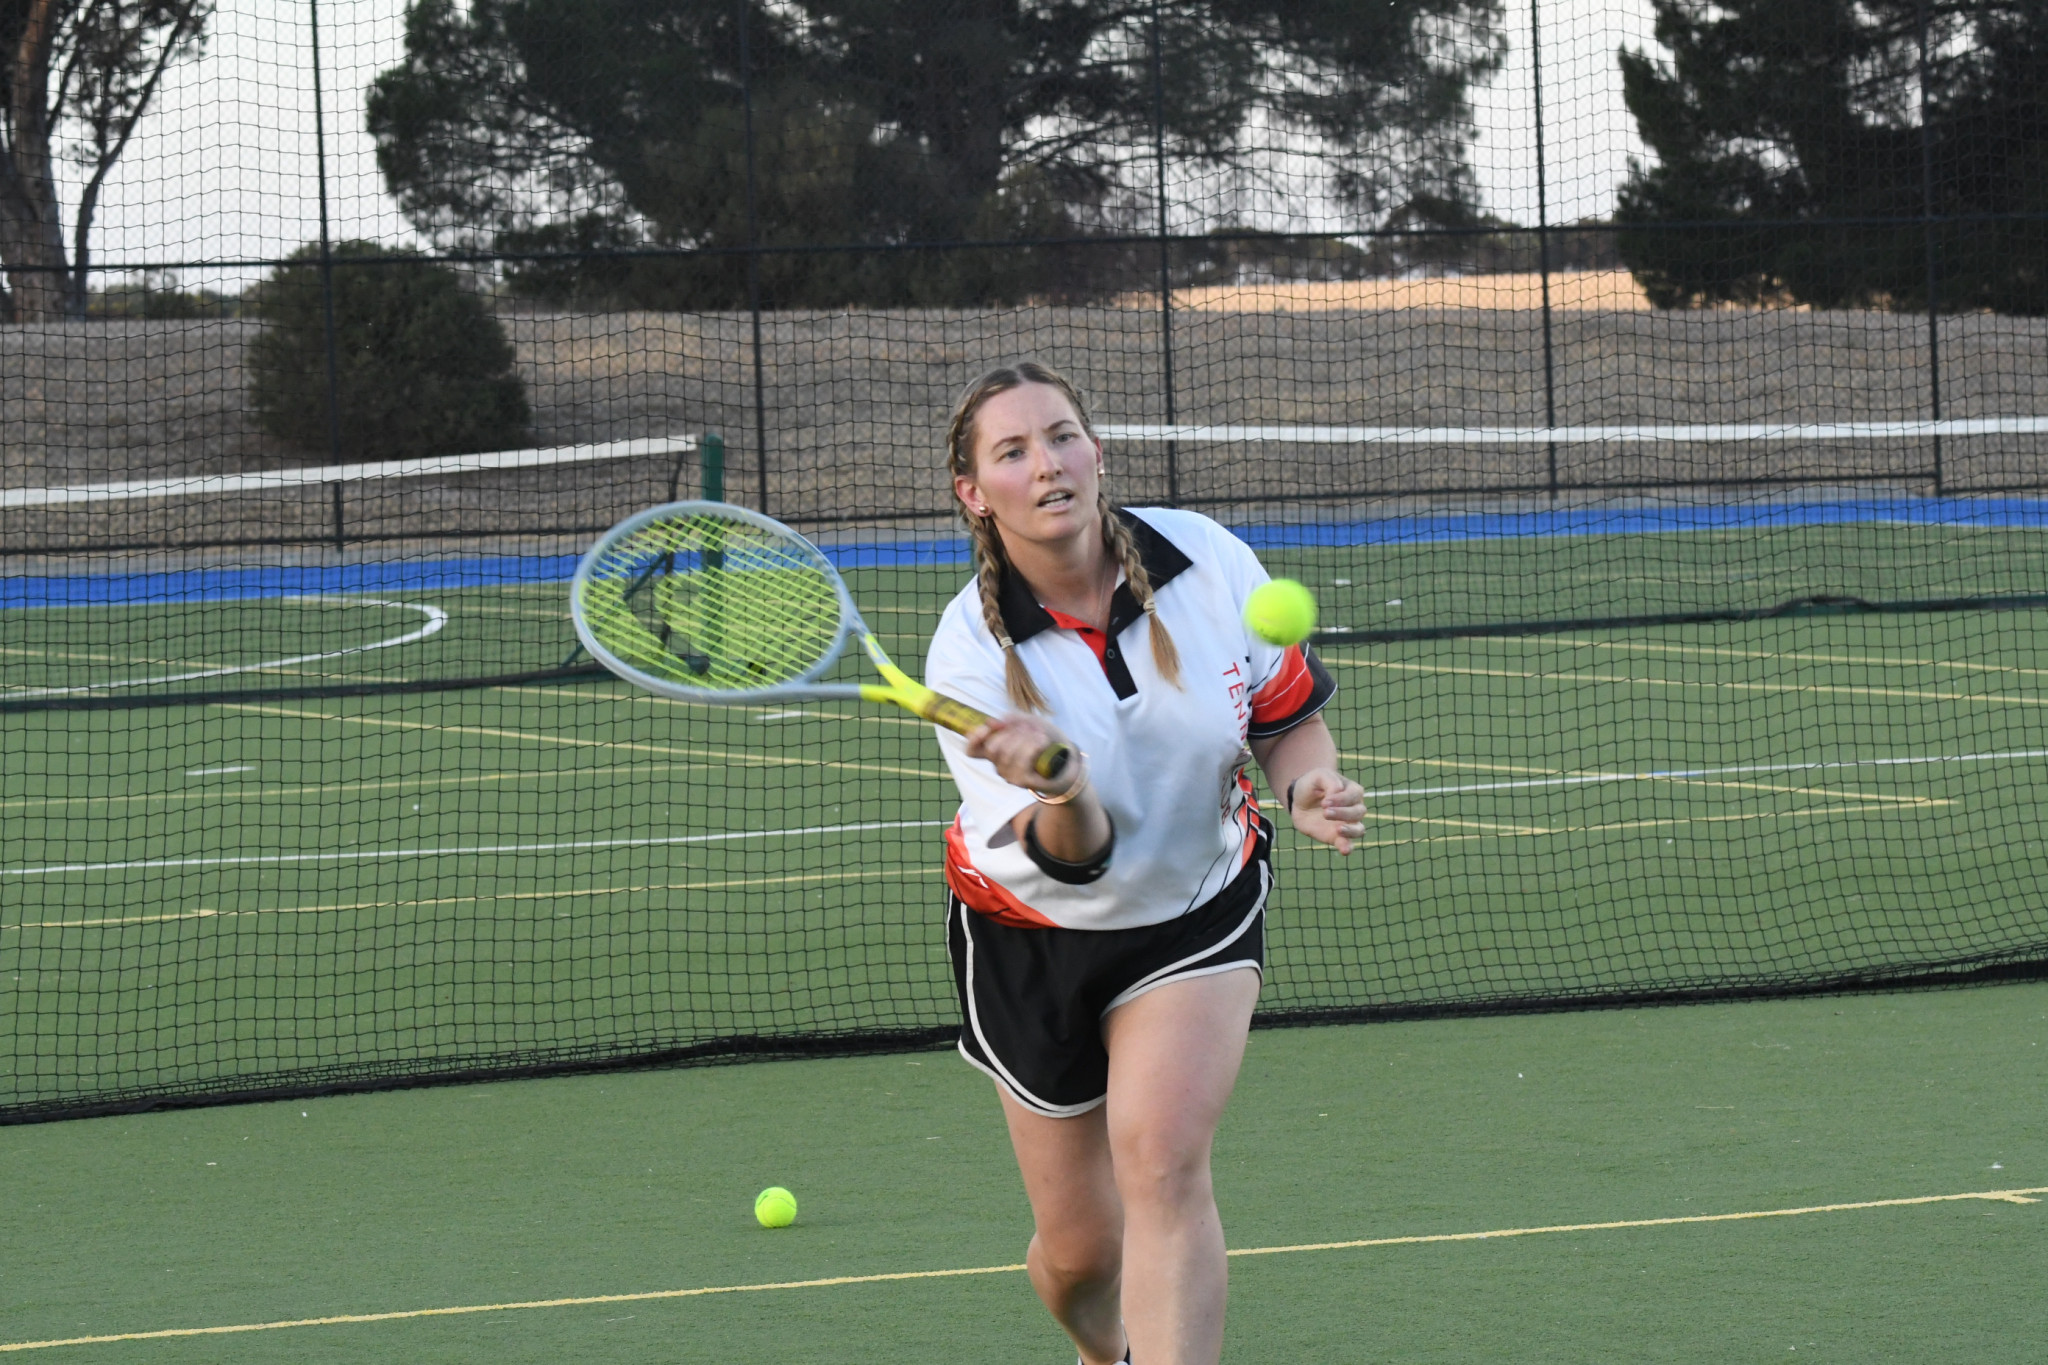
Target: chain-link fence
1653,397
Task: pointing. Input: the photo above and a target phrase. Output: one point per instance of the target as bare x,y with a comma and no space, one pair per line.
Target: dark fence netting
1650,393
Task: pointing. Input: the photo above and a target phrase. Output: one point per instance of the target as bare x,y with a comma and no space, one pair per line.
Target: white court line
133,489
1628,434
1584,779
363,855
2018,1197
436,618
385,854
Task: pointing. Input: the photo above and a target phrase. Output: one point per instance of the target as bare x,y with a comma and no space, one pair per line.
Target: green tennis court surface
305,891
643,1182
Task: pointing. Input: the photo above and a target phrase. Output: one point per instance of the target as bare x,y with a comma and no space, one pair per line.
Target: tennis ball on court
1281,612
775,1207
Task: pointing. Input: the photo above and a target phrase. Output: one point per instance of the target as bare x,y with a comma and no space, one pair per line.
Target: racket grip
958,717
962,719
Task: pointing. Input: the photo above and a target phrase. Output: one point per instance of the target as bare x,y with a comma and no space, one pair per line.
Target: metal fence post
326,273
1927,228
1165,252
754,267
1543,239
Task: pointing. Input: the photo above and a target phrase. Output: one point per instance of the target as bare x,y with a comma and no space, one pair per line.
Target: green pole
712,463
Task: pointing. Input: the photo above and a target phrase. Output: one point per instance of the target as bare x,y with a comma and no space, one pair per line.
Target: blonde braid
1116,538
990,564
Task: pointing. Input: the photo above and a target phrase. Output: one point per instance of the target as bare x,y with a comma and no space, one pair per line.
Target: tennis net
1680,551
284,818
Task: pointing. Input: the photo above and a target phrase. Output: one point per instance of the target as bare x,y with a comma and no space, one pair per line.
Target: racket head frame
897,687
803,687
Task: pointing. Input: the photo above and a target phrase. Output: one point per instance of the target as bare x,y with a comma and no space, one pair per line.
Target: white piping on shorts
1237,964
995,1067
1172,971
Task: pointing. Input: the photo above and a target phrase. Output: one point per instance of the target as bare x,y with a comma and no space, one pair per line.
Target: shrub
420,365
156,295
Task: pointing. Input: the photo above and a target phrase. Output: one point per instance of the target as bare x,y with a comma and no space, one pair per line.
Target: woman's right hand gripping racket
708,602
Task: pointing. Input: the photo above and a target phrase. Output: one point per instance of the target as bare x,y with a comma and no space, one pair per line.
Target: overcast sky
225,167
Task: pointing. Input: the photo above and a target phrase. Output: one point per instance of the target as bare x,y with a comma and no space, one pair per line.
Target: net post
711,466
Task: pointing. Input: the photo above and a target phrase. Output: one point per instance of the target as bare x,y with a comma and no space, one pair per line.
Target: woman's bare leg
1076,1255
1174,1054
1128,1184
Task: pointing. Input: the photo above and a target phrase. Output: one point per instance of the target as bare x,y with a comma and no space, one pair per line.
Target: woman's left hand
1329,808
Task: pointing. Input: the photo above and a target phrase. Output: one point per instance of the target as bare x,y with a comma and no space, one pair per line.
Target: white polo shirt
1168,762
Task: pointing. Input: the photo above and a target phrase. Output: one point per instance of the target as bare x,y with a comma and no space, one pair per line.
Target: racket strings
714,604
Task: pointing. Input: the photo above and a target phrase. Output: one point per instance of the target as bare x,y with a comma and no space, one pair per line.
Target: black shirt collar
1023,617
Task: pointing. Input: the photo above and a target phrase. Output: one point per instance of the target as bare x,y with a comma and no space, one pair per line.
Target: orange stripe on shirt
1287,691
981,895
1247,819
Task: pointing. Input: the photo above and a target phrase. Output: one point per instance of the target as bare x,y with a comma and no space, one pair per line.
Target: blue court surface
398,576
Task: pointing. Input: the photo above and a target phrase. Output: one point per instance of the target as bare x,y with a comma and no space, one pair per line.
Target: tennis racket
708,602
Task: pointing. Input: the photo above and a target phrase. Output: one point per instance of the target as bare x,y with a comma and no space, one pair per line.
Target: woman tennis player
1107,925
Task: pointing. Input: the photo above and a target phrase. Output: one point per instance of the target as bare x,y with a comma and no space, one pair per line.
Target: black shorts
1032,1000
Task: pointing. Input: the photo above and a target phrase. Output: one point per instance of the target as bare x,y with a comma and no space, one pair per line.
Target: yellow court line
240,670
2026,1196
1532,831
323,789
1669,822
142,659
725,755
1680,821
643,698
858,718
1836,793
1487,830
1465,766
208,912
1461,765
101,658
529,613
1490,826
1799,656
1831,793
126,659
1995,1196
1795,689
621,692
77,656
1661,822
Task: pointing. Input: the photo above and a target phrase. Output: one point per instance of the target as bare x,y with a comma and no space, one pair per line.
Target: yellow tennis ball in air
775,1207
1281,612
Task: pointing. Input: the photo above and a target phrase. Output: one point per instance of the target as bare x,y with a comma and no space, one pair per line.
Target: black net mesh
1662,437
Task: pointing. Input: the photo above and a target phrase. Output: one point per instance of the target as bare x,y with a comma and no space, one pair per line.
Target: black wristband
1289,798
1071,874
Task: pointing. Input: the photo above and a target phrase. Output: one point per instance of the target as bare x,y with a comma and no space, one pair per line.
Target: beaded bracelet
1069,794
